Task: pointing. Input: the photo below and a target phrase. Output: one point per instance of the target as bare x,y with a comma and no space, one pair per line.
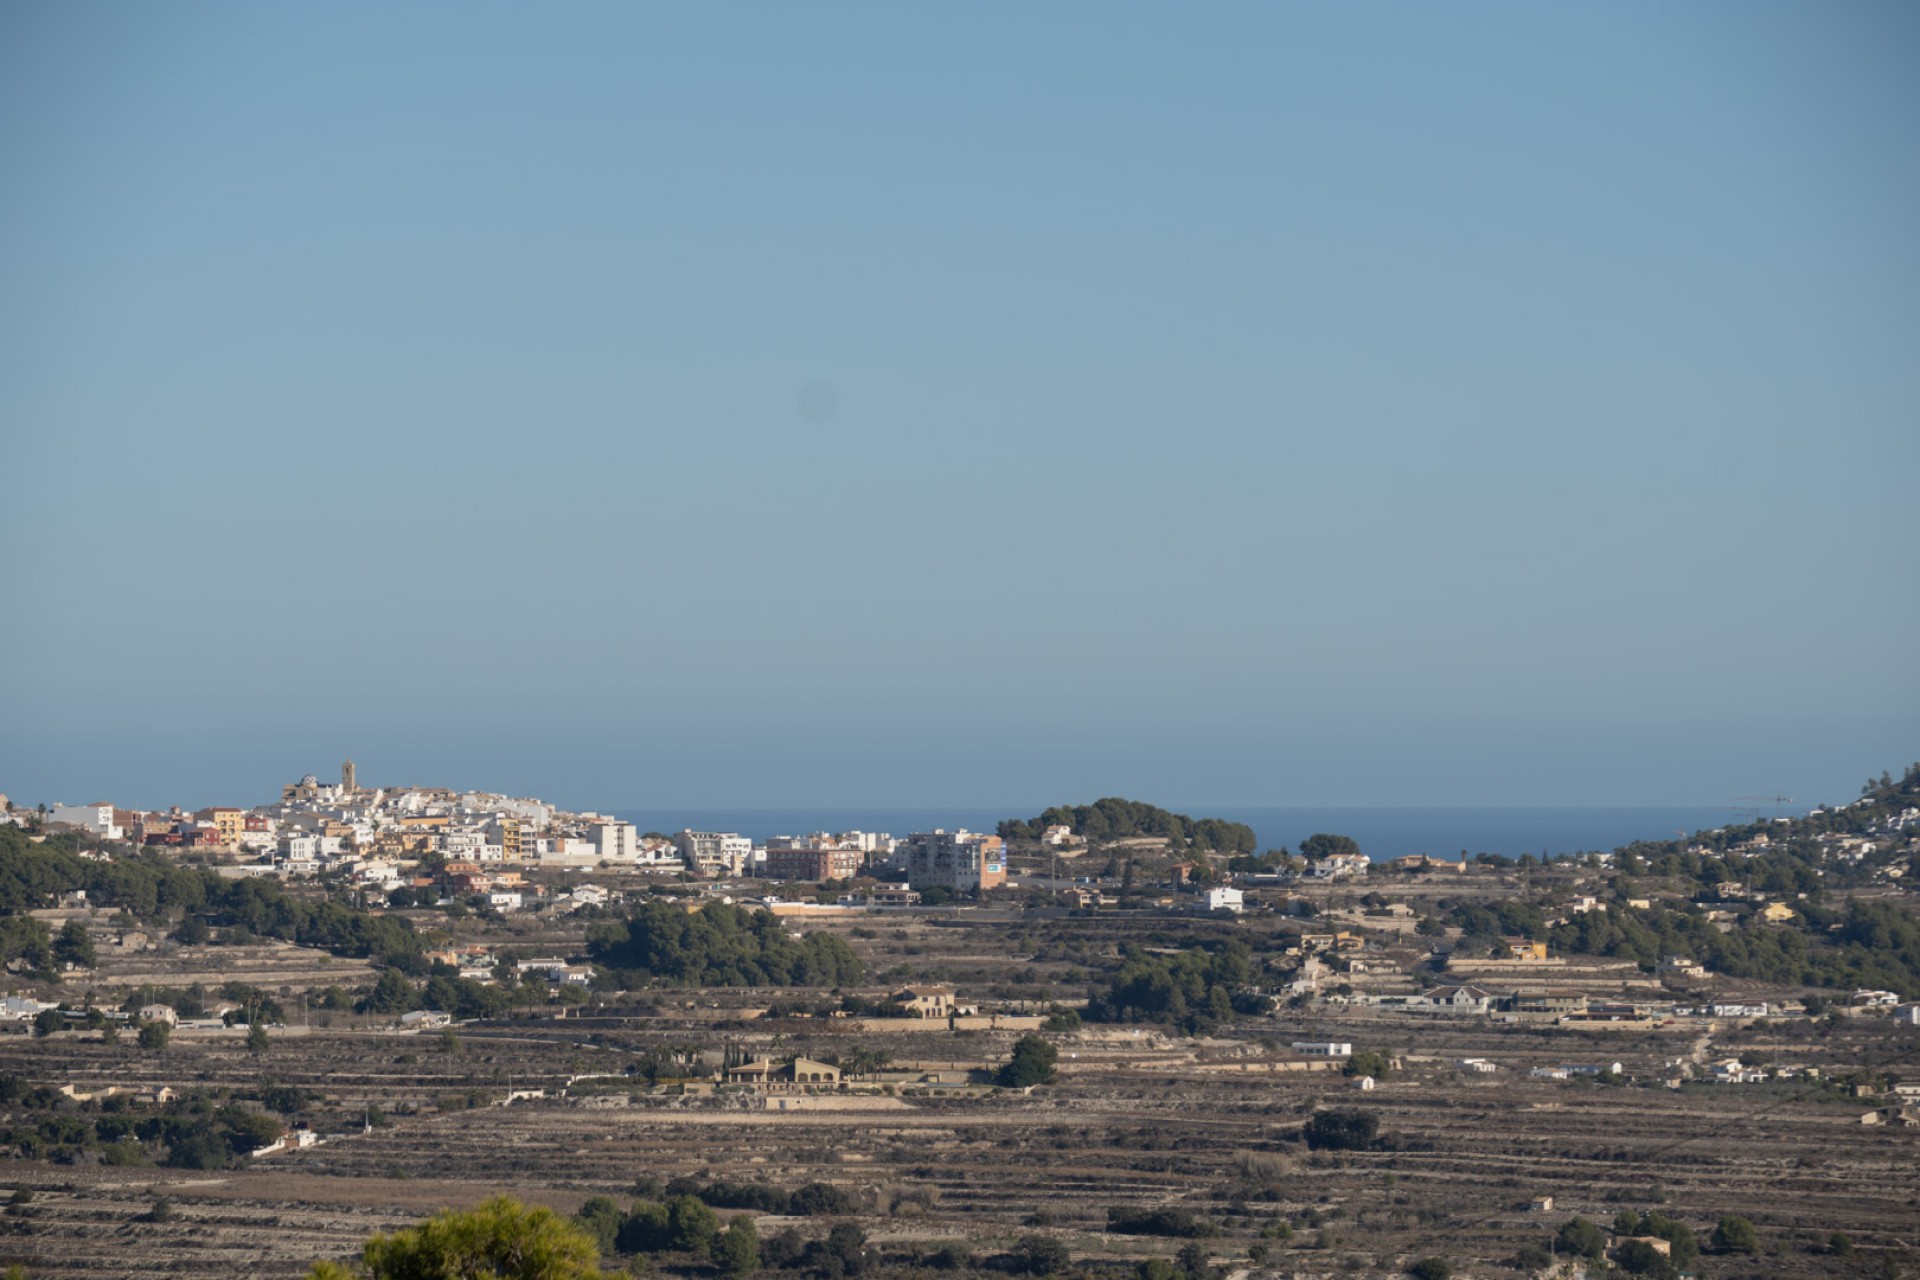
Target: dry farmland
1139,1117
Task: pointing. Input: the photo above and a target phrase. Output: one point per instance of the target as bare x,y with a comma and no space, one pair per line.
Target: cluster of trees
147,886
198,1131
42,953
1579,1238
1198,988
1114,818
1323,845
150,887
812,1199
503,1238
1490,921
1868,944
681,1224
1164,1221
718,946
1341,1129
685,1224
464,998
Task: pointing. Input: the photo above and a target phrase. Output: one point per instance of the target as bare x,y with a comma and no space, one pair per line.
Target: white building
1756,1009
714,853
1323,1048
1223,899
468,844
1339,866
615,841
23,1008
97,818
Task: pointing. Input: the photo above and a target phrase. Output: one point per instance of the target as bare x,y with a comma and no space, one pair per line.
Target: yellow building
228,826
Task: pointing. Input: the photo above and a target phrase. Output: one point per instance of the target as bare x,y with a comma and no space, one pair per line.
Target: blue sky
765,405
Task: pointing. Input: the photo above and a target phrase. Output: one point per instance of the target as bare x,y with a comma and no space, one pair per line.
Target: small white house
1225,899
1323,1048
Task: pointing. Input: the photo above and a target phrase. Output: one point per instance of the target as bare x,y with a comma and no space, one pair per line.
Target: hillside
1115,818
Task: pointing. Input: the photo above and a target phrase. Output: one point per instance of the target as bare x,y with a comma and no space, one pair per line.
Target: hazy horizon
1406,406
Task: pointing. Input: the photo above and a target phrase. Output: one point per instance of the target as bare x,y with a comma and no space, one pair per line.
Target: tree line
1195,989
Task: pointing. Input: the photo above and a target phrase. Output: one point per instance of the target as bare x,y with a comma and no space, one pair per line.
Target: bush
1530,1258
643,1229
844,1249
1639,1258
784,1248
1032,1063
1735,1234
1041,1255
500,1238
1686,1249
820,1199
1342,1129
952,1255
600,1218
1367,1062
1431,1269
736,1251
1182,1223
691,1226
1581,1239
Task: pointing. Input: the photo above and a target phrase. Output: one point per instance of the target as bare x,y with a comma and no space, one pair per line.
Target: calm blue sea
1383,833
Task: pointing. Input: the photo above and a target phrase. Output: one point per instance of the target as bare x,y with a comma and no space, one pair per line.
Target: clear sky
642,405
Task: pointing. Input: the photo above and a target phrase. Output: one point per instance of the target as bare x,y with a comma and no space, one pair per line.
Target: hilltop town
479,848
1110,1040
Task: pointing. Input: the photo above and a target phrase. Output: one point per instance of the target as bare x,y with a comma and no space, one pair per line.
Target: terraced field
1207,1126
1139,1118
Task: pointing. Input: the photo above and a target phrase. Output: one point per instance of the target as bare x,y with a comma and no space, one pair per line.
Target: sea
1380,832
